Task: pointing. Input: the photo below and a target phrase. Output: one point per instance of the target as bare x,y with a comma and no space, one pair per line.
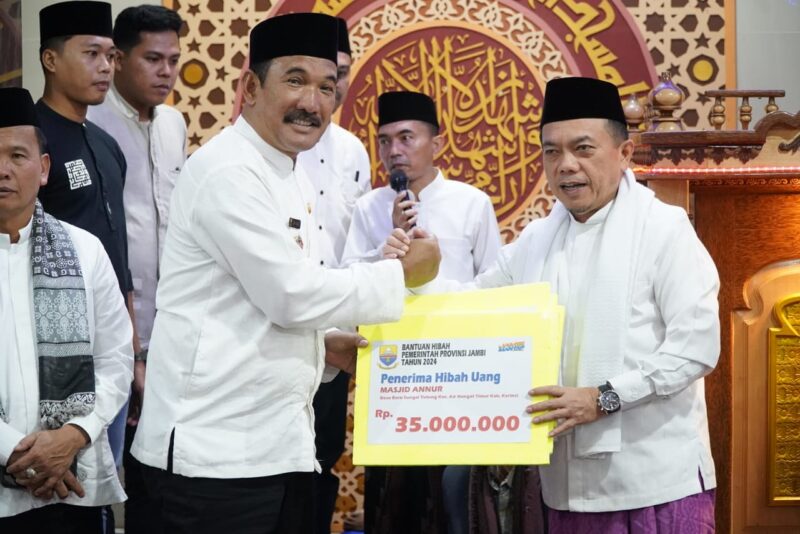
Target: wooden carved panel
763,454
784,404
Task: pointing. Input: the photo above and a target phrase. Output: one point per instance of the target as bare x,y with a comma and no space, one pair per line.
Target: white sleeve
359,246
9,438
486,237
685,290
244,232
498,274
112,348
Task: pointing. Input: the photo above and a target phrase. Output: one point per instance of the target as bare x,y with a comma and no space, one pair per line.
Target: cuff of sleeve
91,424
329,373
434,286
9,438
397,302
632,387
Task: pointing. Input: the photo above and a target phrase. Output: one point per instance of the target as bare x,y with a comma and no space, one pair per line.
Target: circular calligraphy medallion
488,97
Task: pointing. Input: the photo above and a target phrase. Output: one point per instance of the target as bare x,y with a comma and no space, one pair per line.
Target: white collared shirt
338,168
460,215
110,335
671,342
238,350
154,151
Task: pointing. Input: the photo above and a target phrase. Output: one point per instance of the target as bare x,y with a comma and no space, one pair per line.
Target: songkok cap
16,108
406,106
295,34
75,18
581,98
344,37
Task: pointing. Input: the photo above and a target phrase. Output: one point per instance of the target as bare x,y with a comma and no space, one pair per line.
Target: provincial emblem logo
387,357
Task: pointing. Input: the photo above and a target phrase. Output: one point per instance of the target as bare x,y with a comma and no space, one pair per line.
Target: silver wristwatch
608,400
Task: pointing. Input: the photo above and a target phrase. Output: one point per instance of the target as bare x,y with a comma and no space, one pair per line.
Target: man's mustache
300,115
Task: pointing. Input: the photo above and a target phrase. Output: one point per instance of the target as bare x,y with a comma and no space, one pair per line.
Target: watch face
609,401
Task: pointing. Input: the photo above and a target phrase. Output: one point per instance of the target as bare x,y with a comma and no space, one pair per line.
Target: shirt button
321,262
322,161
322,192
320,227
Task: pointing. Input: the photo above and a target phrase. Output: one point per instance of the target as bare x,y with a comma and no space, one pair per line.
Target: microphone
399,182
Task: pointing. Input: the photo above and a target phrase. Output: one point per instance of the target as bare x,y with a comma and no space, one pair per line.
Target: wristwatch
140,356
608,400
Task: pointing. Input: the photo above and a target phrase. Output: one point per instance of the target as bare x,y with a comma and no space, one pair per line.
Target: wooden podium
742,190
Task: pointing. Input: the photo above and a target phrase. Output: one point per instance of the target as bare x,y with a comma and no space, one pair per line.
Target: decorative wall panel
784,403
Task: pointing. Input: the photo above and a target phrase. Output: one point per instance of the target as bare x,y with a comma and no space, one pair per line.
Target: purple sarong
691,515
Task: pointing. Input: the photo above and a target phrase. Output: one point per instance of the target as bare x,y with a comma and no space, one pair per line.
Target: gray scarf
66,366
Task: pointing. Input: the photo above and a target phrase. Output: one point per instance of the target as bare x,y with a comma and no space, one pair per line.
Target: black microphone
399,182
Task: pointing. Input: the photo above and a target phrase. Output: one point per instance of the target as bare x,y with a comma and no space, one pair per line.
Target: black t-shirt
87,175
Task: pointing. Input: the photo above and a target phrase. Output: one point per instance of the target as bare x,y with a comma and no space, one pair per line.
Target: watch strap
605,387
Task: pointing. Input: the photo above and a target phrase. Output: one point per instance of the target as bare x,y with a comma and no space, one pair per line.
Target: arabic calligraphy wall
485,62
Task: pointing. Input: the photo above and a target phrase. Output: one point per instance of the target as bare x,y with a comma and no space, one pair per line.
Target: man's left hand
574,406
341,348
49,453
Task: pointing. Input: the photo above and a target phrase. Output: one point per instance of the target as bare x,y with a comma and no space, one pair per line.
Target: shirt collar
126,109
599,217
430,189
24,235
47,113
283,164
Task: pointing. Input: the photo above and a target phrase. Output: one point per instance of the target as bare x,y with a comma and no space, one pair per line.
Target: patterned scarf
66,366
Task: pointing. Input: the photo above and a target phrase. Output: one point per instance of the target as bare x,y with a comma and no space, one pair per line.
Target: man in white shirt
463,220
239,347
65,351
641,331
152,137
339,170
459,215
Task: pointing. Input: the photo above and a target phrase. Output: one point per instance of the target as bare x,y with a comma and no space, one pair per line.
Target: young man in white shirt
152,136
239,343
65,344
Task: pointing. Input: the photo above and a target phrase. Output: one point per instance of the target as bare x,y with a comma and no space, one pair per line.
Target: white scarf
608,297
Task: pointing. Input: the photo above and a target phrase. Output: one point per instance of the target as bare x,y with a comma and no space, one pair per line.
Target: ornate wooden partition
742,189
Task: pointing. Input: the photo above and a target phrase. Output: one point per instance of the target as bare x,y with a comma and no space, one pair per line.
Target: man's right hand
69,483
404,213
137,392
49,454
421,260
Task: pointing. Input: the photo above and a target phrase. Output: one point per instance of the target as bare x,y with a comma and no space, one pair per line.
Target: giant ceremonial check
449,382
